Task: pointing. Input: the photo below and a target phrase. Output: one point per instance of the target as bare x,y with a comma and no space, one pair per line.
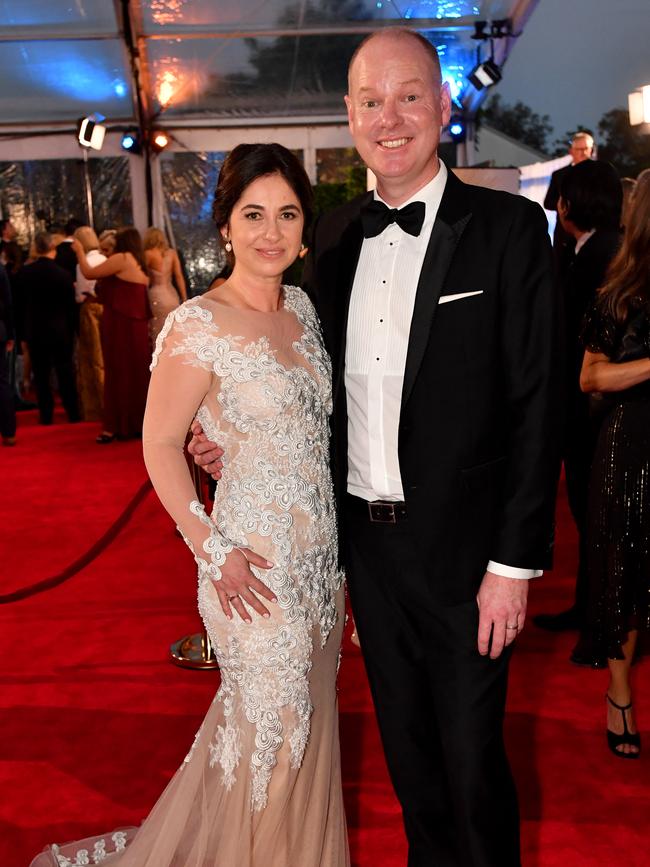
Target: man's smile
394,143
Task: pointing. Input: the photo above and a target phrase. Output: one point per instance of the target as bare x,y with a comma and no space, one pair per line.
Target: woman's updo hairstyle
248,162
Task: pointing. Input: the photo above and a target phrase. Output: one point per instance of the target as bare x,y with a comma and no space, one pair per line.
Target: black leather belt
385,512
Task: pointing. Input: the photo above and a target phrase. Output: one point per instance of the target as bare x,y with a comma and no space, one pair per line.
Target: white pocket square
445,298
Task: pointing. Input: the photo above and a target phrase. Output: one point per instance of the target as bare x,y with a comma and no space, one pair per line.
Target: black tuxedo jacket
585,274
563,243
480,423
50,306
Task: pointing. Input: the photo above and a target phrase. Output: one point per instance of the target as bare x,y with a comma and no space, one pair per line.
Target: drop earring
228,247
303,251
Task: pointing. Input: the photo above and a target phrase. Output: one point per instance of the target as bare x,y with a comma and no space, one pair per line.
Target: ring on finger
234,596
516,628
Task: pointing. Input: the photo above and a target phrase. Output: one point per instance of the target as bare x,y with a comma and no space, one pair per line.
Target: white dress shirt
83,287
582,240
379,323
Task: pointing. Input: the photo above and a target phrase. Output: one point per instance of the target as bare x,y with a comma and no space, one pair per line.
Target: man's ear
350,110
445,103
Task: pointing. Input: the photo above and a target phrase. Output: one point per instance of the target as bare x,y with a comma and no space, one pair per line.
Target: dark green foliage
626,147
518,121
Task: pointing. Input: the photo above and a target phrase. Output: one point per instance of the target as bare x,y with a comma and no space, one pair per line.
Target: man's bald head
582,146
404,35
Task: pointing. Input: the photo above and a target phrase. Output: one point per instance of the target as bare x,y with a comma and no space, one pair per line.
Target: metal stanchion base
194,651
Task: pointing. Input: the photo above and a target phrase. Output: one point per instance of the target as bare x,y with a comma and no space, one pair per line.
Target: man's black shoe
561,622
21,404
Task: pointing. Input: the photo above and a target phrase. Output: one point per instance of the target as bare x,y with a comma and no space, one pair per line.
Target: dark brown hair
43,243
593,195
628,276
128,240
245,164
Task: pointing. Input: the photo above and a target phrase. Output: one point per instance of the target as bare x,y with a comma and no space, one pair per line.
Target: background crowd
81,313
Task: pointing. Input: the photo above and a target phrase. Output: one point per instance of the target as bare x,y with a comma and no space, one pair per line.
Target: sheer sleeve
182,374
599,331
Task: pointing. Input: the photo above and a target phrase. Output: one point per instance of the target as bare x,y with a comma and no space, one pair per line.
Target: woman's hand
239,585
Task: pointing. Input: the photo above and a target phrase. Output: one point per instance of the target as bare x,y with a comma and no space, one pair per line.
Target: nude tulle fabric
261,785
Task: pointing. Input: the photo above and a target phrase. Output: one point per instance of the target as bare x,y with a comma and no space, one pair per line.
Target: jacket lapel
349,249
452,218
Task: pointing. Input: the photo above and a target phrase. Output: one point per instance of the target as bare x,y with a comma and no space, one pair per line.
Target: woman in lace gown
617,366
164,271
261,784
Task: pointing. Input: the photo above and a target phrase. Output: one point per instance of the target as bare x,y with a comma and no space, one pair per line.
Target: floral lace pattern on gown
261,785
272,420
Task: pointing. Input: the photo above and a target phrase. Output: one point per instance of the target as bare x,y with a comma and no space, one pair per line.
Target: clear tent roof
213,60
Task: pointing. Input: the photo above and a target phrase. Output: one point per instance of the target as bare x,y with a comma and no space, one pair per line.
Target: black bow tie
376,216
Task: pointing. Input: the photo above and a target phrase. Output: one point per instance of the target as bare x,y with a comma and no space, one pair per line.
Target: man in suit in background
439,312
580,149
65,257
49,328
589,209
7,340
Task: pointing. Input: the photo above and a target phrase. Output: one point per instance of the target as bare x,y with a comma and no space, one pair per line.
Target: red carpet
94,719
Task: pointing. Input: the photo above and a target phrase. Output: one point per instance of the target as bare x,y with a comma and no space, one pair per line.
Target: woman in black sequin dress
616,368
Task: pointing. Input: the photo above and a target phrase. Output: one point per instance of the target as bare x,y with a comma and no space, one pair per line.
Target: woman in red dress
122,289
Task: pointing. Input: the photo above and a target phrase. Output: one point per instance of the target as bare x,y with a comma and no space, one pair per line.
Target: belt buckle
382,513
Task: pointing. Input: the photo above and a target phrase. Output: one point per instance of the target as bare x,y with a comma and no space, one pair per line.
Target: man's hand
502,606
206,454
238,583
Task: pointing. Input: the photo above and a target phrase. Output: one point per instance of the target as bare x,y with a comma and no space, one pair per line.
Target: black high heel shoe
104,438
614,741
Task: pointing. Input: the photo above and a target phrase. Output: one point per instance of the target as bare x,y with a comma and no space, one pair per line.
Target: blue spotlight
131,142
457,129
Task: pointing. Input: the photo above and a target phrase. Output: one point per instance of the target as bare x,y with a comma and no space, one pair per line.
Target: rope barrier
91,554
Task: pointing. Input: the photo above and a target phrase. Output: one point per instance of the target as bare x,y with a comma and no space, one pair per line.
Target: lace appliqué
216,546
99,853
180,315
272,418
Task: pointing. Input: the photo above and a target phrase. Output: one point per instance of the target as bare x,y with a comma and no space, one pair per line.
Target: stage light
639,106
90,132
457,128
485,74
500,29
159,141
479,31
131,142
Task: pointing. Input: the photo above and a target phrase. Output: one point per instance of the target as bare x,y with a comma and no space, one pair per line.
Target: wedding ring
511,627
236,596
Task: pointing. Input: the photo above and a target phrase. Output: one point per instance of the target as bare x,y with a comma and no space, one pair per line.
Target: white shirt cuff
513,571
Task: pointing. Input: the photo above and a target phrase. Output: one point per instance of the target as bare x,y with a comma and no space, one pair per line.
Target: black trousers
7,409
439,703
48,353
580,442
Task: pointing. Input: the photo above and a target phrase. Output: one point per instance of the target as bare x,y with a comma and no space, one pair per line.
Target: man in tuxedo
589,209
439,312
65,257
580,149
49,328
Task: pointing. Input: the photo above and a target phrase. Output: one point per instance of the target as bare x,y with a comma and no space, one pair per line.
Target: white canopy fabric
207,61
